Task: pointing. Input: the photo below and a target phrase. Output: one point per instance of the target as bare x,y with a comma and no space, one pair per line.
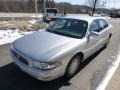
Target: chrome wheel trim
74,66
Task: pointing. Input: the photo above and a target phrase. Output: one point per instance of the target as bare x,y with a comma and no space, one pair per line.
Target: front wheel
73,66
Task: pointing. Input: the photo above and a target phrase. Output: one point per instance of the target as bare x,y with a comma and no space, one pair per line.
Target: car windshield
69,27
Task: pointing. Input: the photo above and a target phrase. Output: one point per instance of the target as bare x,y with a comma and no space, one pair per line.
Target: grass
21,23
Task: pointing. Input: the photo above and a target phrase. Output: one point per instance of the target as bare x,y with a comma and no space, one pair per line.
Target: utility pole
109,4
44,6
94,7
114,4
36,9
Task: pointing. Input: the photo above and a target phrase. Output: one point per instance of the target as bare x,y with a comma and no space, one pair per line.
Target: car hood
41,45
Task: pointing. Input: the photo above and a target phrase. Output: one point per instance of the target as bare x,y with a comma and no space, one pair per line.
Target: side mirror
93,34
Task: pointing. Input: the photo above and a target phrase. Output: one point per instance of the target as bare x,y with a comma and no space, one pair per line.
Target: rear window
51,11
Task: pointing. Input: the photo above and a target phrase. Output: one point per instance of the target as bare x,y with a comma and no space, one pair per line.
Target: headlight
45,65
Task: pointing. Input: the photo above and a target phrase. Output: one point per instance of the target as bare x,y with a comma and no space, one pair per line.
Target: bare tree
93,4
40,5
52,3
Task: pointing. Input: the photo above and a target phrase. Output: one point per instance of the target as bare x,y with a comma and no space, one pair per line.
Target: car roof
89,19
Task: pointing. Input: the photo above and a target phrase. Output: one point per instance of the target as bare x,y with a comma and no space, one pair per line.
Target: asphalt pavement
90,74
114,83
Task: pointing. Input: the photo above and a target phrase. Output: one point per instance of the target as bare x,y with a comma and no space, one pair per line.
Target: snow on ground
8,36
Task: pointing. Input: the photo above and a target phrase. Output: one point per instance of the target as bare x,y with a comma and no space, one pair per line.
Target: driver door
93,39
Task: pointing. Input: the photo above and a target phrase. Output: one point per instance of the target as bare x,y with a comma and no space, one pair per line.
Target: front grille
20,58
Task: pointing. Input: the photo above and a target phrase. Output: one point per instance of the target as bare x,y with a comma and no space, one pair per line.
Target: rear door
104,32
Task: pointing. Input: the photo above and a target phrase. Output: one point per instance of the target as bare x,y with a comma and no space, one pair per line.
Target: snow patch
8,36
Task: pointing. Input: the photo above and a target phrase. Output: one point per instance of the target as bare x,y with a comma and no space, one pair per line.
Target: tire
73,66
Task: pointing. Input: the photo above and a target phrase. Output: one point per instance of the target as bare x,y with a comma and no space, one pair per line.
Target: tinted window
69,27
95,26
106,24
103,24
51,11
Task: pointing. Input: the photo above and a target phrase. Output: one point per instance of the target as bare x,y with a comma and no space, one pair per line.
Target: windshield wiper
52,31
63,33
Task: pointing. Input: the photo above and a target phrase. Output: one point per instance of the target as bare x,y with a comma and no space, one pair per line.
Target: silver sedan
59,50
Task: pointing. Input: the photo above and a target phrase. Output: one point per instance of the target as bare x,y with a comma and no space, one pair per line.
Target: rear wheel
73,66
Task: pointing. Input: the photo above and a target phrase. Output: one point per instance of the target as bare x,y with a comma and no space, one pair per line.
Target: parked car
59,50
52,14
115,15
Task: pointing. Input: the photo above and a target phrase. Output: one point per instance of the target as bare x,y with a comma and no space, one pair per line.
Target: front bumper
44,75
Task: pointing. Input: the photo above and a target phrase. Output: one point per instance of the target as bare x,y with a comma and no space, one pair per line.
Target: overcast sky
81,2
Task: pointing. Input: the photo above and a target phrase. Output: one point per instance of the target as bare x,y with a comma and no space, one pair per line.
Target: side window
103,24
95,26
106,24
60,25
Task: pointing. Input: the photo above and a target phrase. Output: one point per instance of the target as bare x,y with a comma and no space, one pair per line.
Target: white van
52,14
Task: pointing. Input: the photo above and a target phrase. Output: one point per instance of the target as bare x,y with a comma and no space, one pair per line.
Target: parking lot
90,74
